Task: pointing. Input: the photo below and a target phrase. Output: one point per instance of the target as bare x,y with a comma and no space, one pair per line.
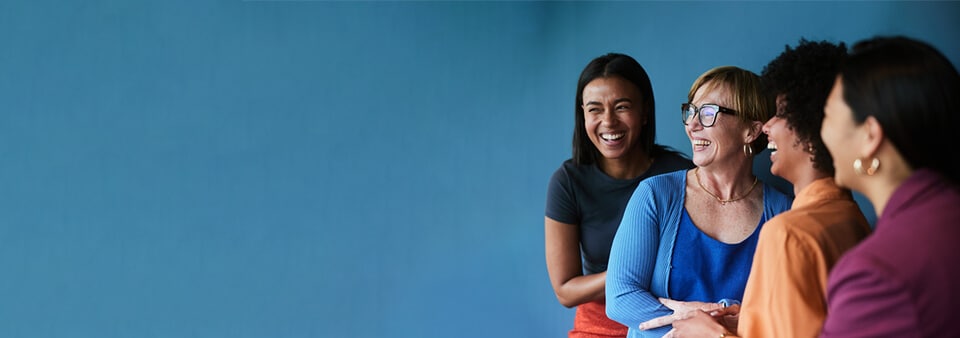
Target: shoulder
568,167
794,231
866,299
569,171
774,200
667,160
660,190
863,272
836,222
668,182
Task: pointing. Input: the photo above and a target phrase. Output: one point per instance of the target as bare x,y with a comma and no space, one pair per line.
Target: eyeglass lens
708,114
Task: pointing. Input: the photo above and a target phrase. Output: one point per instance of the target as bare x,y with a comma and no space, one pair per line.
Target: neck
726,185
626,167
882,187
891,174
804,177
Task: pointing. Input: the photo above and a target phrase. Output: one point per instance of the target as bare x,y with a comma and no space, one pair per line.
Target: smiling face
842,136
722,141
613,118
787,154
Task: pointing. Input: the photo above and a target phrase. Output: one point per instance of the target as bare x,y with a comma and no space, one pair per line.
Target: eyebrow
622,99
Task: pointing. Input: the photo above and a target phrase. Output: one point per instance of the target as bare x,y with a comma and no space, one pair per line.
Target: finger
731,310
720,313
658,322
670,303
671,334
711,307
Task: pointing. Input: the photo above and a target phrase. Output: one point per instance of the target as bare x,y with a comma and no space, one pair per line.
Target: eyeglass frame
696,112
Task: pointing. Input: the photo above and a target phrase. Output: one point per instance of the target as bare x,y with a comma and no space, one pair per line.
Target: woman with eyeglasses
786,291
687,238
889,122
613,150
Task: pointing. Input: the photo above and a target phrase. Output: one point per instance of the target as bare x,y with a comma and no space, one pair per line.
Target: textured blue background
328,169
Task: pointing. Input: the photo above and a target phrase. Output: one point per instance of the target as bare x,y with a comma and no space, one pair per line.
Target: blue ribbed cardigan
640,258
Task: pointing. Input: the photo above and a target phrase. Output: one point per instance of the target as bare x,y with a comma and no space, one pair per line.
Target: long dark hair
913,91
624,66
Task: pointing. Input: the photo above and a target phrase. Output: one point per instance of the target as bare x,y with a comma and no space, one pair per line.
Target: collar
922,181
820,190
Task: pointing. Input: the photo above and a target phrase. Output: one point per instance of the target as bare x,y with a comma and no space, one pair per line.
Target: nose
607,118
694,123
767,126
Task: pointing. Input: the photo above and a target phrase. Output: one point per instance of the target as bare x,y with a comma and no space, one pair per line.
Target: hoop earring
872,170
748,150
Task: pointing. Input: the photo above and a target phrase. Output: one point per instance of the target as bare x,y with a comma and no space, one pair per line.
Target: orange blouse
786,292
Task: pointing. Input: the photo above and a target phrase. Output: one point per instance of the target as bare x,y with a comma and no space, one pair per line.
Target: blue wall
328,169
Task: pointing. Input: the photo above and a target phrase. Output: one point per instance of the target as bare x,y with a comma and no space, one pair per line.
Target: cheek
635,122
589,123
826,133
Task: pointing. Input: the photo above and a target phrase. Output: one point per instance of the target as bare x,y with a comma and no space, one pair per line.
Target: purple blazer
904,279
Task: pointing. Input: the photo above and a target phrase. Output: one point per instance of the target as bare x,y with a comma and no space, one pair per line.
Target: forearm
634,307
633,259
581,289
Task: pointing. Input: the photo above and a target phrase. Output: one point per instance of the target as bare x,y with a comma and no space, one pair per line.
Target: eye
623,107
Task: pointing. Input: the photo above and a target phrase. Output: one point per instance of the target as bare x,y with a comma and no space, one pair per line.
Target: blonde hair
751,100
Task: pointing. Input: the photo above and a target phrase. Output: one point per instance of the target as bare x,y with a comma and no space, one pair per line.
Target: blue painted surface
328,169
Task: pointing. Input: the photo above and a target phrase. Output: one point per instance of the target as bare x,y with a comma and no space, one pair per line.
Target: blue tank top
707,270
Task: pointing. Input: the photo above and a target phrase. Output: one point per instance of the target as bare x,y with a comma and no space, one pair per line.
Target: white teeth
611,137
701,143
772,146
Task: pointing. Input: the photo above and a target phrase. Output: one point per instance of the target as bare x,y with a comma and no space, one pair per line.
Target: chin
841,182
776,172
700,161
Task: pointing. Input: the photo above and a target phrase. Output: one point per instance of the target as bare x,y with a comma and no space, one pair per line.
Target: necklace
723,201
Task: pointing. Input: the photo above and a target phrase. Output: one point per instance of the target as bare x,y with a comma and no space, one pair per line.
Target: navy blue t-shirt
588,197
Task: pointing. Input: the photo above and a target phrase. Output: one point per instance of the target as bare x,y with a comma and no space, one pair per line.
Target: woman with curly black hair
786,292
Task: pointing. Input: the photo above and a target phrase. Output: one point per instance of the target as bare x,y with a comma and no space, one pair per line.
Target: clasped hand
699,314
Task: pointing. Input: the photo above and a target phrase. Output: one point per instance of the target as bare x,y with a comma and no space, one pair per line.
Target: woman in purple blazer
890,124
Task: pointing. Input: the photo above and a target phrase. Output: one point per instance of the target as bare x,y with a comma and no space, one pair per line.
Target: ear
873,137
754,128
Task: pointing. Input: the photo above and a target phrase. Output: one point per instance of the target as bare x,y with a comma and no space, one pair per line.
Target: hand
680,309
729,317
684,307
696,324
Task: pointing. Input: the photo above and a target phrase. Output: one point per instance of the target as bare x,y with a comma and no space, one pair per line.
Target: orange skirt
591,322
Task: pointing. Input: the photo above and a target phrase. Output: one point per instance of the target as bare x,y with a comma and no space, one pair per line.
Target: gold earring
874,166
748,150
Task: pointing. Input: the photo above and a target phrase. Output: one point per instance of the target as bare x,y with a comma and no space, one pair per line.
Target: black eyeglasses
707,112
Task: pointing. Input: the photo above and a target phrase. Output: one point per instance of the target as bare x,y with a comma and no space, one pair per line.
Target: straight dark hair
610,65
913,91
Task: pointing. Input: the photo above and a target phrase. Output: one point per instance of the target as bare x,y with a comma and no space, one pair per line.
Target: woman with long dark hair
613,150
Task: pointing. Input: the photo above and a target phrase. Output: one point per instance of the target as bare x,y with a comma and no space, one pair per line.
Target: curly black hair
803,76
